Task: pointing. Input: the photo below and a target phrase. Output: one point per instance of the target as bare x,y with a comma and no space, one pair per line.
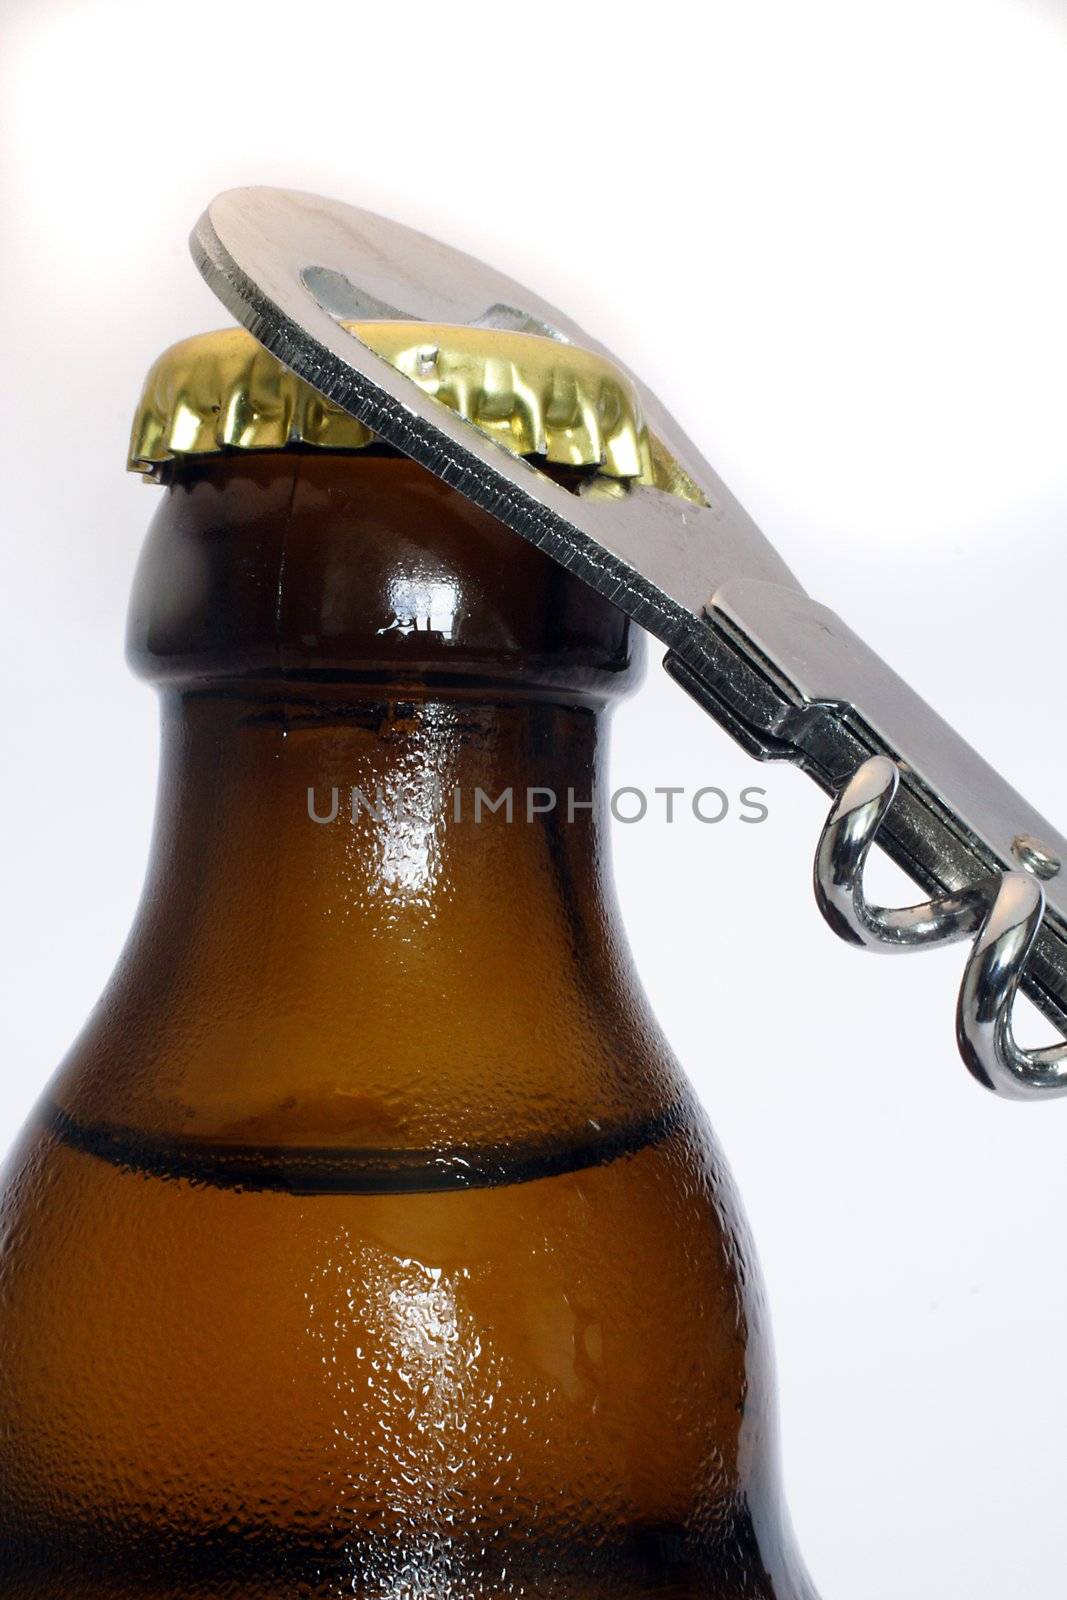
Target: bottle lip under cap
223,392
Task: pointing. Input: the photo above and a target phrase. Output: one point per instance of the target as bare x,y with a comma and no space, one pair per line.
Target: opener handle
792,682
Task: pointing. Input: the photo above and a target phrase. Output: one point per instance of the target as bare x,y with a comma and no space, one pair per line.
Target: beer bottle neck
378,912
317,848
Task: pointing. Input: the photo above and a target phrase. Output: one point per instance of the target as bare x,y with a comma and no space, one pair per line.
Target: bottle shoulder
361,1063
338,947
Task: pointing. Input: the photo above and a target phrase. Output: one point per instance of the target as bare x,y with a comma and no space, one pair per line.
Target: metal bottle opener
780,672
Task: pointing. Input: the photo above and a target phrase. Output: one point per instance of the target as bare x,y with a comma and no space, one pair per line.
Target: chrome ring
1006,930
983,1015
839,861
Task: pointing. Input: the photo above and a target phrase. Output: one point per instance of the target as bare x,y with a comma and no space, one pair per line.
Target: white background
832,235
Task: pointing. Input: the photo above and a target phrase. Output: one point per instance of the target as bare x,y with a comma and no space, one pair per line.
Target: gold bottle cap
538,397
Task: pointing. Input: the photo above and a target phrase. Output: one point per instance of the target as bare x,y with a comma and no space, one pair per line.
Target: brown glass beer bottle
369,1242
